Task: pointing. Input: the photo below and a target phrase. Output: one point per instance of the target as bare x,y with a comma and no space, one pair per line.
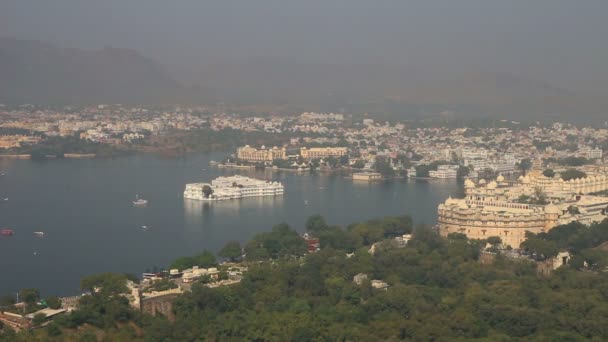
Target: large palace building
263,154
323,152
497,208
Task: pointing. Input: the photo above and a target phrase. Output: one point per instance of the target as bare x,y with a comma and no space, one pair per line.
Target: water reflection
203,213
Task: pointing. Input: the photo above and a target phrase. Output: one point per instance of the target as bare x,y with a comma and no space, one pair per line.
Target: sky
561,42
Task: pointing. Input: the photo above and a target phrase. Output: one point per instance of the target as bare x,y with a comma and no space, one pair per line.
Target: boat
140,202
5,199
7,232
306,202
39,234
144,227
235,187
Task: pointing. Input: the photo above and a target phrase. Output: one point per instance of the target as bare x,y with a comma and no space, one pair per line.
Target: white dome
500,178
469,183
482,181
492,185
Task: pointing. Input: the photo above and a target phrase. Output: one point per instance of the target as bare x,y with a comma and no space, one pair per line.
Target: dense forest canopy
438,289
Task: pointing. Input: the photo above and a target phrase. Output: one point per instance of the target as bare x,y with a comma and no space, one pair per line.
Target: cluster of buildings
532,203
320,135
18,140
268,155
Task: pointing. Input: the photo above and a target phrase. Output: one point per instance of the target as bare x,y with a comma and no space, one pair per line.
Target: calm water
85,209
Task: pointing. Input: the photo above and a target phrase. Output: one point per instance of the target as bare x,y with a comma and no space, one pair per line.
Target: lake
85,209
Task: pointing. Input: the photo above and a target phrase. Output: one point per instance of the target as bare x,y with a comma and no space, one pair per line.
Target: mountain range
37,72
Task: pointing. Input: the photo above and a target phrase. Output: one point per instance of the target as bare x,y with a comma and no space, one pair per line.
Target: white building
235,187
591,153
445,172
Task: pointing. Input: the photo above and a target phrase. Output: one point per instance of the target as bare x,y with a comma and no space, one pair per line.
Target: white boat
5,199
140,202
306,202
39,234
144,227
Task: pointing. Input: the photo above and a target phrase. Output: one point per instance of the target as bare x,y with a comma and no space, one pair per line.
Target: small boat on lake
7,232
140,202
39,234
144,227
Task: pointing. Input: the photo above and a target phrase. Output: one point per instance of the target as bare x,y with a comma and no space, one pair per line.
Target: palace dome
492,185
500,178
482,181
469,183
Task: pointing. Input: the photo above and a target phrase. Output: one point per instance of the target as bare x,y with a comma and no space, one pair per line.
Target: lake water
85,209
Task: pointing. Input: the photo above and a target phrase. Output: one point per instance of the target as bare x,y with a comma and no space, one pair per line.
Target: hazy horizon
559,42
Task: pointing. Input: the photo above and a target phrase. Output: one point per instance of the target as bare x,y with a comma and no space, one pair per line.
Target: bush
38,319
53,329
53,302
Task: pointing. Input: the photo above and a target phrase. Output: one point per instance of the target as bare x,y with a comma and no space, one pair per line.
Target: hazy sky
563,42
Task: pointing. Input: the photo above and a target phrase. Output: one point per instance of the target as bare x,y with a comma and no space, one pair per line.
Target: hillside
394,91
36,72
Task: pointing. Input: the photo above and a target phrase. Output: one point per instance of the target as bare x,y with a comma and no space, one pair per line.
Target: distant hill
395,91
36,72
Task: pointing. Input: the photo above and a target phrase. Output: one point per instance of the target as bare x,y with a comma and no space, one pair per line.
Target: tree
231,251
549,173
463,171
541,249
38,319
205,259
53,329
207,191
105,283
223,275
383,167
53,302
494,240
315,224
29,296
525,165
359,164
573,174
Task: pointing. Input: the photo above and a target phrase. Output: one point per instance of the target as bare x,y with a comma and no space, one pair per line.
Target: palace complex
534,203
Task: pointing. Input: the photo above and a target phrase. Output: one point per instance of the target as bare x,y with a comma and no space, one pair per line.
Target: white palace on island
502,208
235,187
